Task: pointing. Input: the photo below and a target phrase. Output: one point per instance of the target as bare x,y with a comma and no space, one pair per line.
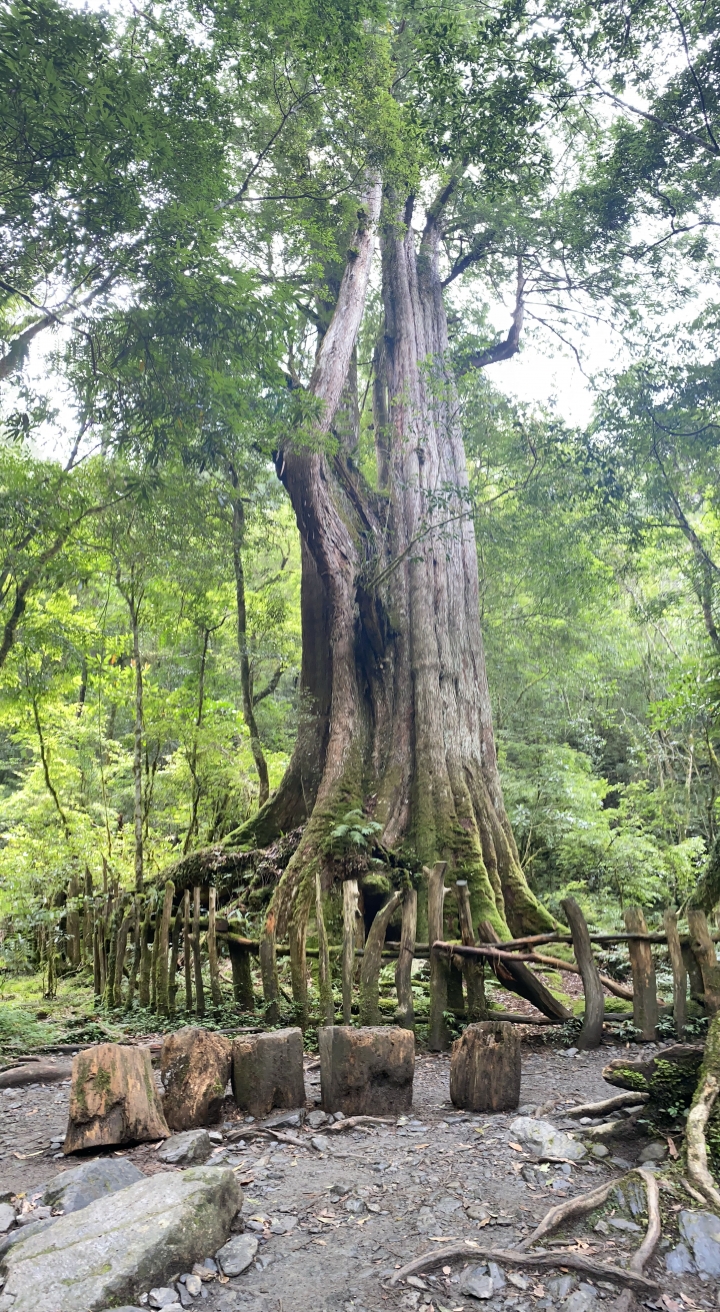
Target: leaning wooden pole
473,971
187,950
174,955
327,1005
372,961
405,1014
645,1006
438,1037
163,935
199,990
678,971
350,916
590,1035
213,963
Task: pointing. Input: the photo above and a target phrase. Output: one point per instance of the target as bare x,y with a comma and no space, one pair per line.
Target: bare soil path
336,1220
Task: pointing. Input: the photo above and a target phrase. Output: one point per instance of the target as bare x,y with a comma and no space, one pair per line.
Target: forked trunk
395,711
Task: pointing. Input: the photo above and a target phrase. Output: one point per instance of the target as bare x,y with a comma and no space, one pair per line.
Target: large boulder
113,1099
267,1071
542,1138
107,1254
702,1231
366,1071
195,1069
75,1189
485,1068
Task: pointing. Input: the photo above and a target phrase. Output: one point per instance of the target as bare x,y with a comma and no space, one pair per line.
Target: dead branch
608,1104
515,1257
351,1121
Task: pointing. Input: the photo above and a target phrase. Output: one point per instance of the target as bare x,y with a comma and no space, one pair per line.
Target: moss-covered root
706,1094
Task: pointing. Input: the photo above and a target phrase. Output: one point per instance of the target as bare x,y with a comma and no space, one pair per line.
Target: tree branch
511,345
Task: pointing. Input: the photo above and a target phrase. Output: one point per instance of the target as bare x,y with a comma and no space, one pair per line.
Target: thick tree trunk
395,703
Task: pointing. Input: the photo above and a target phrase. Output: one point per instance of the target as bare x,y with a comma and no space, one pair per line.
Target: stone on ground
186,1149
477,1283
195,1068
485,1068
163,1296
7,1217
236,1255
702,1231
583,1300
267,1071
106,1253
367,1071
113,1099
542,1138
72,1190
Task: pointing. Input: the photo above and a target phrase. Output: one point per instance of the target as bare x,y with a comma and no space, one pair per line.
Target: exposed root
608,1104
693,1192
515,1257
642,1255
569,1210
351,1121
611,1129
697,1159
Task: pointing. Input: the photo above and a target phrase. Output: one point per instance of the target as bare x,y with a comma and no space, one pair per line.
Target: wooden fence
136,943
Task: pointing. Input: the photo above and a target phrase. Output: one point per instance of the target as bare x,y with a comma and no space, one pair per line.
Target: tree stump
485,1068
267,1071
366,1072
113,1099
195,1069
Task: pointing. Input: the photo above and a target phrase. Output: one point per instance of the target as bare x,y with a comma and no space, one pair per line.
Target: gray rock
7,1217
193,1284
14,1236
236,1255
520,1282
653,1152
679,1262
188,1148
106,1253
316,1119
583,1300
600,1150
622,1163
544,1139
561,1286
479,1212
322,1143
619,1223
125,1308
290,1118
477,1283
527,1109
162,1296
215,1136
702,1231
355,1206
446,1206
497,1275
75,1189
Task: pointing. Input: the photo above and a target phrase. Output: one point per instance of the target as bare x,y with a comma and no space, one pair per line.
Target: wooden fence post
645,1007
703,950
199,990
212,949
122,938
135,964
241,975
405,1014
174,954
97,962
88,917
268,972
162,933
350,916
327,1006
438,1037
679,972
474,982
145,961
372,962
590,1035
187,950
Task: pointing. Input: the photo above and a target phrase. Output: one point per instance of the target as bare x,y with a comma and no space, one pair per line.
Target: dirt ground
333,1225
